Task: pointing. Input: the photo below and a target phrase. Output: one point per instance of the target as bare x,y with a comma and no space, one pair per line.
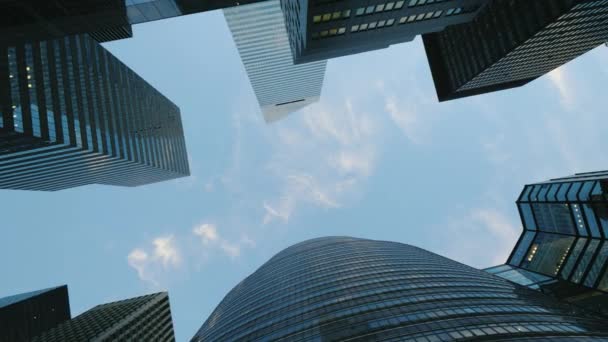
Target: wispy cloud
162,255
211,238
561,80
330,151
405,117
482,237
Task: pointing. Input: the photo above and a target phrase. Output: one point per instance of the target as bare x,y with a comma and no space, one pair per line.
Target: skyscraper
72,114
26,315
104,20
513,42
563,249
260,36
320,29
145,318
341,288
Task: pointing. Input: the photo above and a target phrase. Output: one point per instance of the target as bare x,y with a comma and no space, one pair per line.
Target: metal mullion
578,259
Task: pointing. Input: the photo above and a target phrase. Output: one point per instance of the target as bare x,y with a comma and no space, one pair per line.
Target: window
402,20
341,30
373,24
346,13
379,8
412,3
389,6
333,32
399,4
336,15
360,11
437,14
354,28
326,17
363,27
369,9
316,19
390,22
381,23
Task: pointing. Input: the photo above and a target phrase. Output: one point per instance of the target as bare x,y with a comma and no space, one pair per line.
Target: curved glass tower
347,289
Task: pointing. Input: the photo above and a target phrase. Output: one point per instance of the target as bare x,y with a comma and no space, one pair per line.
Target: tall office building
27,315
321,29
104,20
513,42
341,288
261,38
72,114
563,249
145,318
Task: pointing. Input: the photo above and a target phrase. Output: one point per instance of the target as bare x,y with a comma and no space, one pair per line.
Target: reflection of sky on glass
140,11
19,297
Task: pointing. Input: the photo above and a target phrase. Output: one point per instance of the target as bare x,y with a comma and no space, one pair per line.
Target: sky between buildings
377,158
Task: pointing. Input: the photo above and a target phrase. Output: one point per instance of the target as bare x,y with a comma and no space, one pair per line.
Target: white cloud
212,239
329,151
560,80
207,232
138,259
166,251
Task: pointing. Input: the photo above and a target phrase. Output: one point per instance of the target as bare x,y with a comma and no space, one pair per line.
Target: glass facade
320,29
145,318
511,43
261,39
342,288
26,315
76,115
565,229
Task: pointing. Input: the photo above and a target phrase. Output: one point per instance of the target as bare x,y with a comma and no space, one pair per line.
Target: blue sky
378,158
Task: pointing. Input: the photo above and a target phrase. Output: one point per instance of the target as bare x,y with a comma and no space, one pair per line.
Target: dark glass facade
321,29
103,20
512,42
563,243
342,288
26,315
145,318
72,114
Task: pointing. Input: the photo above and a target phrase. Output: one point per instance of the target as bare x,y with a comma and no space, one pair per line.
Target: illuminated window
389,6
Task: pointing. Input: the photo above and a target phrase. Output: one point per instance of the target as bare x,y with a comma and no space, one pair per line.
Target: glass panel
528,218
552,192
596,194
572,193
523,277
601,210
553,217
591,221
498,269
525,193
572,258
584,262
597,266
543,192
586,190
578,218
603,285
563,191
547,253
534,193
522,248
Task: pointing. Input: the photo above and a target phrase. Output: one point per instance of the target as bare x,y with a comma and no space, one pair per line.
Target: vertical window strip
61,87
597,266
81,82
14,82
46,84
584,262
73,92
572,258
31,87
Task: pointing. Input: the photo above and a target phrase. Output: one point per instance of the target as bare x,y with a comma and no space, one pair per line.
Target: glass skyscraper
261,38
348,289
513,42
26,315
563,249
72,114
321,29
